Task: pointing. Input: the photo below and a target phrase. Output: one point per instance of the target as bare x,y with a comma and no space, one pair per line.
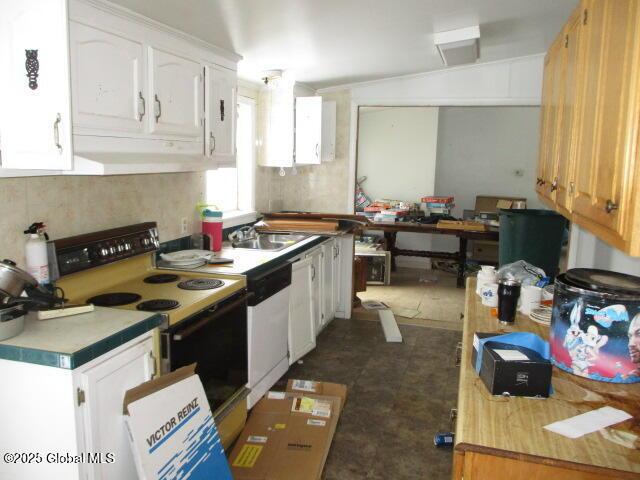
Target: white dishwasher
268,329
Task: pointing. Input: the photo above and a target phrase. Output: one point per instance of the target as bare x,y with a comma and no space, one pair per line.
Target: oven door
216,340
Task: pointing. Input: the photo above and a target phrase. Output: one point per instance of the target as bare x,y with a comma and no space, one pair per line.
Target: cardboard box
171,429
288,435
511,369
318,388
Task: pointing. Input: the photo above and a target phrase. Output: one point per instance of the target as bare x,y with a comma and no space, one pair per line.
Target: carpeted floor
418,297
399,396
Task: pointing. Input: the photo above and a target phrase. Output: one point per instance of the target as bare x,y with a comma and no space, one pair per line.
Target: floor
399,396
419,297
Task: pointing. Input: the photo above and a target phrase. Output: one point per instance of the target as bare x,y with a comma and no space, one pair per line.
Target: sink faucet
243,233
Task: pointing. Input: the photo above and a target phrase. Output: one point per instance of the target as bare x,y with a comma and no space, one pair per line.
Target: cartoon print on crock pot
584,347
634,344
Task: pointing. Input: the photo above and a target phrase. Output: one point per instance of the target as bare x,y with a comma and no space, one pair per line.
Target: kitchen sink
272,242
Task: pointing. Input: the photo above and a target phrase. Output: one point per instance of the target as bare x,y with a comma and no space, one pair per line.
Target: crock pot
595,325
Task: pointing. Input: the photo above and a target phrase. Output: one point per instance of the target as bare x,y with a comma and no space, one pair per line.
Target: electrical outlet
184,226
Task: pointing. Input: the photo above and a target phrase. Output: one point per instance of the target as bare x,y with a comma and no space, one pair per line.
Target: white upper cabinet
176,91
220,114
308,130
276,111
107,81
328,131
35,116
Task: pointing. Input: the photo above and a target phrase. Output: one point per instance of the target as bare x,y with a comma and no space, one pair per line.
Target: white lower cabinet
302,335
330,279
57,412
317,288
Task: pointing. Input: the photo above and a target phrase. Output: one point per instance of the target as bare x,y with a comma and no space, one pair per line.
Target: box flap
155,385
320,388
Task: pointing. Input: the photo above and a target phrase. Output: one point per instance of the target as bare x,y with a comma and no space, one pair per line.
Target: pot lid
604,281
24,276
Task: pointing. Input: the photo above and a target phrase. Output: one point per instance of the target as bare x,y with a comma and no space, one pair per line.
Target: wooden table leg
390,237
462,261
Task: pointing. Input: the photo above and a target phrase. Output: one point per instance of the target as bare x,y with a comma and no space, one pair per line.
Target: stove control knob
103,252
112,250
127,246
145,241
120,248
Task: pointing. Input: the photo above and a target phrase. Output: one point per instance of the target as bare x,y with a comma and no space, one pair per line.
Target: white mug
489,294
530,298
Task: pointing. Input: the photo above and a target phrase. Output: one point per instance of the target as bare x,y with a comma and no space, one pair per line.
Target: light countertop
69,342
248,261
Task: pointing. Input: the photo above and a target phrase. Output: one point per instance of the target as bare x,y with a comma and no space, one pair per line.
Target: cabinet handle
610,206
317,150
313,272
212,143
56,133
222,110
554,185
159,108
143,104
572,188
458,354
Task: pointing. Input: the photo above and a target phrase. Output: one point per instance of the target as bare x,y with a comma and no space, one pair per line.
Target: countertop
251,262
69,342
512,427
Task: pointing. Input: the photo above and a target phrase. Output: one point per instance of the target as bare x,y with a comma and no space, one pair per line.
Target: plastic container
532,235
595,331
212,228
487,274
36,253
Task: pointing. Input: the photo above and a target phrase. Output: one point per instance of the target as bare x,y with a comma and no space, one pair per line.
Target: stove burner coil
161,278
114,299
201,284
158,305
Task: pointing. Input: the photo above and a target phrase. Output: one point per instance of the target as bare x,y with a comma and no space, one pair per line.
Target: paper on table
589,422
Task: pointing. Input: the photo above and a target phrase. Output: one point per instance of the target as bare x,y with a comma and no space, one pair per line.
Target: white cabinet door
308,130
105,385
337,274
317,258
276,117
175,95
329,275
107,81
302,337
328,131
35,112
220,94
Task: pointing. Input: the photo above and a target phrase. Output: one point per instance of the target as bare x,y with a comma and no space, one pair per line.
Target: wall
588,251
397,153
71,205
480,150
318,188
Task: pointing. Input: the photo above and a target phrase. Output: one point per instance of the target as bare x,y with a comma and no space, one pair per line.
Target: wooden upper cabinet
551,117
589,139
611,30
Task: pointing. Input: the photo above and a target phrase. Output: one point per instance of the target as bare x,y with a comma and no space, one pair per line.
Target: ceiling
333,42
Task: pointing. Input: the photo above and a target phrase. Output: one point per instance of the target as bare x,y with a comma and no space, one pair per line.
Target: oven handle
191,329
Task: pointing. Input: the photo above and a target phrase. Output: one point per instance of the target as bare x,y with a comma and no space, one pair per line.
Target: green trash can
534,236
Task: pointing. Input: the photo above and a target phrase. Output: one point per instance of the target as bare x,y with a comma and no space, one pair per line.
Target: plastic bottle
36,253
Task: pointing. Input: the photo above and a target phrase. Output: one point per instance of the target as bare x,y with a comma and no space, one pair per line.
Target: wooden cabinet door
107,81
329,278
35,110
568,136
606,147
308,130
302,337
105,385
551,111
176,95
220,113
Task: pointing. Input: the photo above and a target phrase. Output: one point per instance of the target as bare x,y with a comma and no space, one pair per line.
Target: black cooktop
161,278
201,284
114,299
158,305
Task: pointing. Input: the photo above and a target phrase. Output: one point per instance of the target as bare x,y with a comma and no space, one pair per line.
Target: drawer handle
141,104
610,206
159,108
554,185
458,354
56,133
212,143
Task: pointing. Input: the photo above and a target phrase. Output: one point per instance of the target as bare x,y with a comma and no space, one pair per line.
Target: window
232,189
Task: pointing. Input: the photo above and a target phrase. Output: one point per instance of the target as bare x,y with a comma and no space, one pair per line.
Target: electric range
206,314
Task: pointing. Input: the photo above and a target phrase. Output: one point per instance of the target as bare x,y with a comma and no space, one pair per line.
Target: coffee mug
489,294
530,298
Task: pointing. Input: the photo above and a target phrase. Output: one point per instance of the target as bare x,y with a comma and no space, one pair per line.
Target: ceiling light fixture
457,47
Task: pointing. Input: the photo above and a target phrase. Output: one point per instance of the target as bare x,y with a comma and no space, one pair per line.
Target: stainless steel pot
14,280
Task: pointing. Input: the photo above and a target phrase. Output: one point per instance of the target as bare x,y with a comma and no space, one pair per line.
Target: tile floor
399,396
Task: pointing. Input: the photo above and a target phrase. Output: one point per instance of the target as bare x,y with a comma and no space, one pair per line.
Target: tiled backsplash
71,205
